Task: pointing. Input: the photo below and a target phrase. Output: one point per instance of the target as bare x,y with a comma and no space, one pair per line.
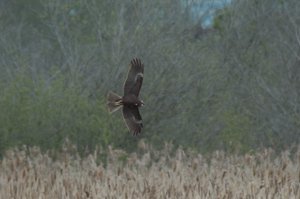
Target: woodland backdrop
234,85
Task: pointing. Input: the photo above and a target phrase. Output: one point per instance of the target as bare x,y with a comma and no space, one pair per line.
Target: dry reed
153,174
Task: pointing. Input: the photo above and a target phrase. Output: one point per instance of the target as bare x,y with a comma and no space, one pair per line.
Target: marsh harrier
130,102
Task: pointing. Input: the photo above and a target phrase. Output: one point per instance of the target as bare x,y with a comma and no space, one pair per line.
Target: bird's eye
136,104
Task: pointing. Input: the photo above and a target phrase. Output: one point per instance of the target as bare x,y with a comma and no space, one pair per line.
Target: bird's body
130,101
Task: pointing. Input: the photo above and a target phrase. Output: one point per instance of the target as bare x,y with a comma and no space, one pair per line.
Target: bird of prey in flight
130,102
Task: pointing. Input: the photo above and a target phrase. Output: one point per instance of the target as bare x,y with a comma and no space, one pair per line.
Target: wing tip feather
136,62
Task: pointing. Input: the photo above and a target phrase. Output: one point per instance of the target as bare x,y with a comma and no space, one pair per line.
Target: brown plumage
130,101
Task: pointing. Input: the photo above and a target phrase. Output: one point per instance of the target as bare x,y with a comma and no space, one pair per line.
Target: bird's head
139,103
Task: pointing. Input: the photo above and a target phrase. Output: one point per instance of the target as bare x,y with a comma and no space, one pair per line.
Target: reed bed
29,173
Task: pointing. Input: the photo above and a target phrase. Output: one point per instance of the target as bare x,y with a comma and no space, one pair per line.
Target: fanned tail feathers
114,102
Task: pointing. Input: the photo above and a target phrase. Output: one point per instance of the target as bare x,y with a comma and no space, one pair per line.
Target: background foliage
234,86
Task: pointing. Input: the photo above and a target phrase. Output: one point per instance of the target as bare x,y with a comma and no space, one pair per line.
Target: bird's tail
114,102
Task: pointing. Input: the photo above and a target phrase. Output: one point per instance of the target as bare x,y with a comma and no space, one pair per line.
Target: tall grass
30,173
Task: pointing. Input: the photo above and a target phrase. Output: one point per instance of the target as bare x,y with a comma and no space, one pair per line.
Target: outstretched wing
134,79
133,119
